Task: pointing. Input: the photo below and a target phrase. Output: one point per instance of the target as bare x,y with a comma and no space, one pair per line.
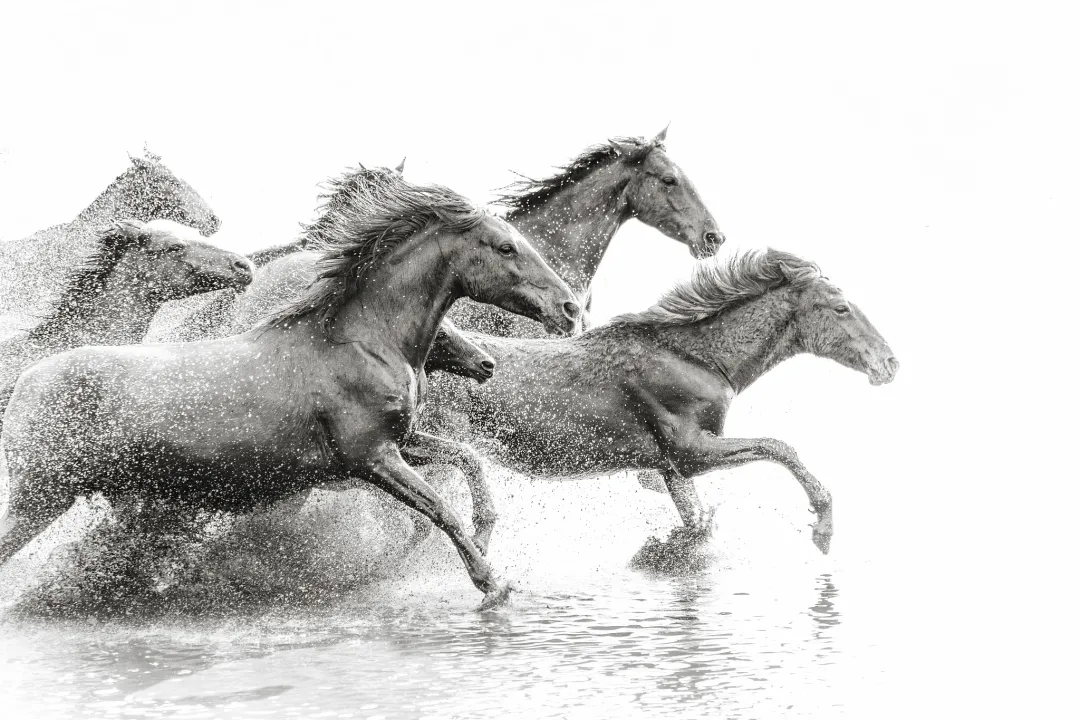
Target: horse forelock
717,285
363,218
528,192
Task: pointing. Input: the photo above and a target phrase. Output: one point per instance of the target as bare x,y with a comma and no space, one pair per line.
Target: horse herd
165,369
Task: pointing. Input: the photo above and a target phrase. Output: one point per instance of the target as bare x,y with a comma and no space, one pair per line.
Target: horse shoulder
682,390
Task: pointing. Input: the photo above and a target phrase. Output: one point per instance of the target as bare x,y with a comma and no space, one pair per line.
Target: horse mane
717,285
527,192
89,277
360,223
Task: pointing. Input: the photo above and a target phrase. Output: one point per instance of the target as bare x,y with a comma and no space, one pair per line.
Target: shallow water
626,646
769,629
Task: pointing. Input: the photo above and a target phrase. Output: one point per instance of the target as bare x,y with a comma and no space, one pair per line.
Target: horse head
453,353
662,196
172,261
150,191
832,327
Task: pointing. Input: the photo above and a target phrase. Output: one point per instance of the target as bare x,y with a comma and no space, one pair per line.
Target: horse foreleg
685,496
387,470
716,453
425,449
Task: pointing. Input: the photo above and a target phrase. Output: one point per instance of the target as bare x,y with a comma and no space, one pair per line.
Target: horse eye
842,310
507,250
668,180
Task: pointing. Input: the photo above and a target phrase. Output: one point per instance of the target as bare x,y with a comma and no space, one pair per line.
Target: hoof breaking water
680,554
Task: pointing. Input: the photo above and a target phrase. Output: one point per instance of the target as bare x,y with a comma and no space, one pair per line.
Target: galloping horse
111,298
146,191
323,393
572,217
285,279
652,390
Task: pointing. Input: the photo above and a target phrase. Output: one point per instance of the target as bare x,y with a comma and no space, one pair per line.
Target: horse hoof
822,539
497,596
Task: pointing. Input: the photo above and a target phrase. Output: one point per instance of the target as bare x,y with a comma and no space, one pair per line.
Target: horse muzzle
884,372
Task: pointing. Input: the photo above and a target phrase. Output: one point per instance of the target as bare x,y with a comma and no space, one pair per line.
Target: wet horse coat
324,393
652,390
31,268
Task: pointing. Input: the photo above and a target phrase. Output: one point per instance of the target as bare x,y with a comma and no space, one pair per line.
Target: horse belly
567,434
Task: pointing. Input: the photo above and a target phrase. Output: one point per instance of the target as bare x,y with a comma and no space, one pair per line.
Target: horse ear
401,167
662,135
151,156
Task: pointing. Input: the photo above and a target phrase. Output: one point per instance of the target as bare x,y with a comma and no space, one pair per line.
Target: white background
924,154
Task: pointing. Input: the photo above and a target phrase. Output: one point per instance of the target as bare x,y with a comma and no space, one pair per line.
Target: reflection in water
758,633
625,645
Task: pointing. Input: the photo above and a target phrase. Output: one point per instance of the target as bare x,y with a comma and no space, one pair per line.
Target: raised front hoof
686,551
497,596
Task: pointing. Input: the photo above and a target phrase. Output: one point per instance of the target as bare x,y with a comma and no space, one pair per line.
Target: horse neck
118,312
744,342
403,299
115,203
573,226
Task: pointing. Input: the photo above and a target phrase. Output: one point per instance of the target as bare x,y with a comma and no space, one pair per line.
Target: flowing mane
89,277
359,224
527,193
718,285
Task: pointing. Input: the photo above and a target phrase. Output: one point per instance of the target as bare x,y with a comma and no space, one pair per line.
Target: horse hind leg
426,449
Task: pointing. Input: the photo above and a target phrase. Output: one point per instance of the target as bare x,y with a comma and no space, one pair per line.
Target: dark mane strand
360,223
527,192
89,277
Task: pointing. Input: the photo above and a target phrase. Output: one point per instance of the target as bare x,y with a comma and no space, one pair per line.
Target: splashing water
158,613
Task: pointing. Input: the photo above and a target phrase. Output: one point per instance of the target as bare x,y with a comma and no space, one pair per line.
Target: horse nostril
572,310
488,365
714,238
243,269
